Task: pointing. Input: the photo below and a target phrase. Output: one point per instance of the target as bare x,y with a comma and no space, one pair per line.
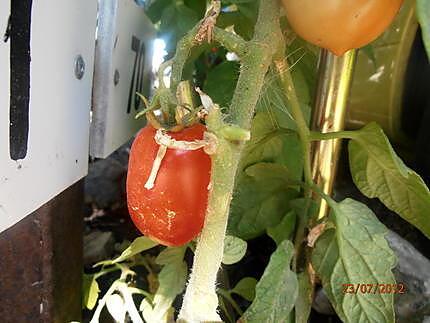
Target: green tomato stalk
201,302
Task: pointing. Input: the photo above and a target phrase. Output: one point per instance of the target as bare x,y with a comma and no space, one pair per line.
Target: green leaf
243,17
171,278
275,103
379,172
304,208
261,198
246,288
234,250
248,9
273,142
90,291
369,50
260,201
277,289
273,136
149,316
241,24
304,298
355,252
156,9
170,255
137,246
221,82
198,6
173,259
176,20
284,229
423,12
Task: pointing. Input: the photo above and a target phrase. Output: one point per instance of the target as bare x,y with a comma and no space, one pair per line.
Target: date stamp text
399,288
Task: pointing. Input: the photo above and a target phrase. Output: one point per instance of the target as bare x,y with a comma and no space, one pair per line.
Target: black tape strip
19,36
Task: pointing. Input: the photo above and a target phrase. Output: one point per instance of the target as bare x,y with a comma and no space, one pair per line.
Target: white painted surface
112,125
58,141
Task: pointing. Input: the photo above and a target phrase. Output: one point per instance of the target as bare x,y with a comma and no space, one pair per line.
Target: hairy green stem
106,271
300,235
223,307
160,73
200,301
232,42
262,48
230,299
332,203
227,39
315,136
183,52
302,126
304,135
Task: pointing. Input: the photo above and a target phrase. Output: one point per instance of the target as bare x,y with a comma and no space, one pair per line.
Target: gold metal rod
335,77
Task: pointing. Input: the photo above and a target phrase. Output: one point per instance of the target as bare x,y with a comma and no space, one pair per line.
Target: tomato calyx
208,143
186,116
172,112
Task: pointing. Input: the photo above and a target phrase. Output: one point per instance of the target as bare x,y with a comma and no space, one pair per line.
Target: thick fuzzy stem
267,43
201,302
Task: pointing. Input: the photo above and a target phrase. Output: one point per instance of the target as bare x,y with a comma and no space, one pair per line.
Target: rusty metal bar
335,76
41,263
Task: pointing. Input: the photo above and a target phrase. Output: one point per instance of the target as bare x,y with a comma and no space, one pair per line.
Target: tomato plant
173,211
341,25
258,85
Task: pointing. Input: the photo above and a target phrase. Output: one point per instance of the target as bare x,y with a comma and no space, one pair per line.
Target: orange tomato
340,25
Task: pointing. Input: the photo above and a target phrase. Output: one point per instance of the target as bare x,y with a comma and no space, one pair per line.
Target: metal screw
116,77
79,67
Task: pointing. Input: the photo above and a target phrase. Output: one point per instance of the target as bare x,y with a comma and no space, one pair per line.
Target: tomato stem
227,295
284,71
200,301
161,72
316,136
230,41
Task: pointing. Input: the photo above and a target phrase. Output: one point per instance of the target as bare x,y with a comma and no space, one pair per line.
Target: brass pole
335,76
